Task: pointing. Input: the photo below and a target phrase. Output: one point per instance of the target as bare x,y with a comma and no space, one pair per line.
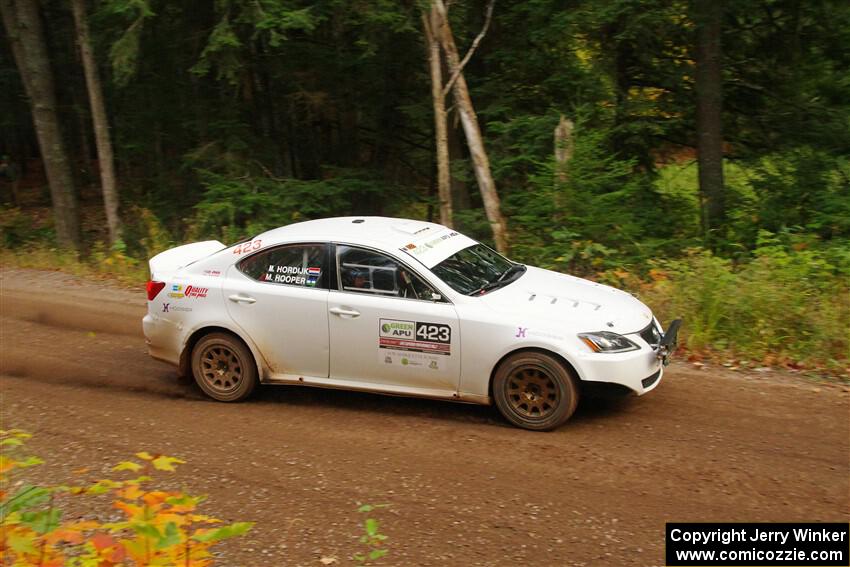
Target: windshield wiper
504,279
514,269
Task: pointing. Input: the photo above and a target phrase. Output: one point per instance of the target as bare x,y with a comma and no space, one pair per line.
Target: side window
300,265
365,271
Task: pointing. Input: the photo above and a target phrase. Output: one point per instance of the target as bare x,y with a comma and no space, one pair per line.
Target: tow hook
668,342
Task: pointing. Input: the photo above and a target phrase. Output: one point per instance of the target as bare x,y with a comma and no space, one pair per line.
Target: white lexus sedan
397,307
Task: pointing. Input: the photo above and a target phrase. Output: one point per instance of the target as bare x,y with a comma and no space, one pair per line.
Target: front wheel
535,391
224,368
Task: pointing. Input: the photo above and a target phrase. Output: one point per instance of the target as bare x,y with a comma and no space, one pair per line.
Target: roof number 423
249,246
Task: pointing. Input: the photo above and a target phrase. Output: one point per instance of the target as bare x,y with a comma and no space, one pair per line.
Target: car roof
378,232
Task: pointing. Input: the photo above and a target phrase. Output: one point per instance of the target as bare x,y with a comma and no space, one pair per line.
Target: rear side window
299,265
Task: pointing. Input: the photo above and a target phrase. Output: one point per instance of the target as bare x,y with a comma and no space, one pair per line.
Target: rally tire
224,368
535,391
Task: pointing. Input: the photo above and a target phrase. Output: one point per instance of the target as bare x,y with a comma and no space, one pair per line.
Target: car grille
650,380
651,335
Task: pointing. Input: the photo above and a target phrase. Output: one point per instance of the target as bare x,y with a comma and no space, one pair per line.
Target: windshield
477,269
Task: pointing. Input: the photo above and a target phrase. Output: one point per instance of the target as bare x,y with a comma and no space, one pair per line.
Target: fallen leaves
158,527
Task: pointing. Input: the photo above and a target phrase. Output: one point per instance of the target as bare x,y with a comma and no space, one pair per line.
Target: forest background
696,153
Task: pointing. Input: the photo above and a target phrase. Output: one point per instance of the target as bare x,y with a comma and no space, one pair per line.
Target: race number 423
433,332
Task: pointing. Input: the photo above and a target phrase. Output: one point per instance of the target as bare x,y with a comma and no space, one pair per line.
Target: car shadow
602,401
344,400
595,403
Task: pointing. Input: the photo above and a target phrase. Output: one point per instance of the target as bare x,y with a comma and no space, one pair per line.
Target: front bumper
639,370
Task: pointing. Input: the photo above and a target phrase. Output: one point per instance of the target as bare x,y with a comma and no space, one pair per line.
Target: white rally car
397,307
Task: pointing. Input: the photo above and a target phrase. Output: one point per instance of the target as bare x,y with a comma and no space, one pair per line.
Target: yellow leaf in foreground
164,463
127,466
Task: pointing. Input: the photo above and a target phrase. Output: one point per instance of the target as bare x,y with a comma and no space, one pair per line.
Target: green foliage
29,244
789,304
804,188
787,76
235,208
242,197
124,53
372,540
243,200
244,28
579,218
17,229
150,233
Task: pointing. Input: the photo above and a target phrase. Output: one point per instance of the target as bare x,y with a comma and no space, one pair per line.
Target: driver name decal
293,275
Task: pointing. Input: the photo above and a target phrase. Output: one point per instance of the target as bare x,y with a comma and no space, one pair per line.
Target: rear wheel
224,368
535,391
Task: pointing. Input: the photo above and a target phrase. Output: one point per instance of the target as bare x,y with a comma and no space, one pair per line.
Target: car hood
540,296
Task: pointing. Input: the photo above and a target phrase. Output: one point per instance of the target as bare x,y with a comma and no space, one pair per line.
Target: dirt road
464,488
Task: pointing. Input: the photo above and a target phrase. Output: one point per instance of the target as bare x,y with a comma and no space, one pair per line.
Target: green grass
783,307
113,267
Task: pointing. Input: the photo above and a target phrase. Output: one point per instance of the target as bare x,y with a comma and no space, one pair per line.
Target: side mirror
436,296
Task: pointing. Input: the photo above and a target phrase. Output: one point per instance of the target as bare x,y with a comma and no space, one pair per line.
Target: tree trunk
83,153
431,23
460,190
106,162
469,120
564,147
23,26
709,94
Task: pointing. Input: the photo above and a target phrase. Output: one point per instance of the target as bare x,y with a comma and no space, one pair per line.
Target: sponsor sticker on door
411,359
414,336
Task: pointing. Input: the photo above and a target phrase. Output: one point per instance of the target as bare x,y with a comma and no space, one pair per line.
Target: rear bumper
160,337
640,371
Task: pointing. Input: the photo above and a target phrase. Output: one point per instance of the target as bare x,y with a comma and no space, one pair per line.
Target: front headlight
606,341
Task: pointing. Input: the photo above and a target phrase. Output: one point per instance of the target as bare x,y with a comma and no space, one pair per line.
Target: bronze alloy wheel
223,367
532,392
535,390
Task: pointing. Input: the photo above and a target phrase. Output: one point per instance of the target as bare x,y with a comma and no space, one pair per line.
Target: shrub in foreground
157,527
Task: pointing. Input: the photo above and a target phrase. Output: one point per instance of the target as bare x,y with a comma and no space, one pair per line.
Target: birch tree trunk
106,162
431,24
469,120
22,21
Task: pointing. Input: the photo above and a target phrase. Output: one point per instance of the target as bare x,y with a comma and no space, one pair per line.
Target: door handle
344,312
236,298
